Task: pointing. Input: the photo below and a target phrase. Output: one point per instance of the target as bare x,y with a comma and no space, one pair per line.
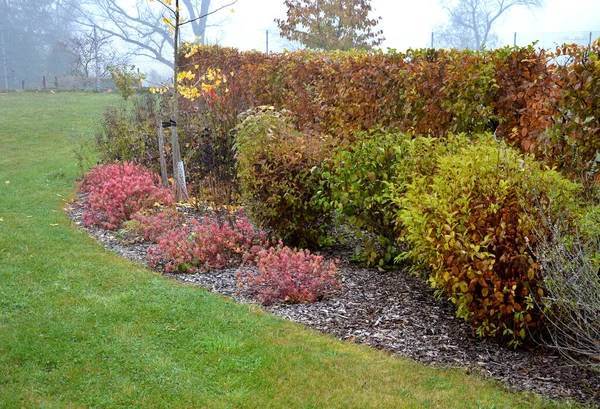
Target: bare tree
141,24
82,49
471,21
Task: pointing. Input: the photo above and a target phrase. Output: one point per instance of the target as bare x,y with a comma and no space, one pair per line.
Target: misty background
70,44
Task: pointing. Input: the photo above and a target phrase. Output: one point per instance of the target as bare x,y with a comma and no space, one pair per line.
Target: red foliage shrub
206,245
115,192
289,275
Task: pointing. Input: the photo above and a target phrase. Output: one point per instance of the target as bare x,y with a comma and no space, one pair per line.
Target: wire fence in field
80,59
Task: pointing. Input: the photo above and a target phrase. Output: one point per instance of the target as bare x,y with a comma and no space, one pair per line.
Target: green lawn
81,327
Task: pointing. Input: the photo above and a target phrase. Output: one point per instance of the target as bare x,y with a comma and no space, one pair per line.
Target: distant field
81,327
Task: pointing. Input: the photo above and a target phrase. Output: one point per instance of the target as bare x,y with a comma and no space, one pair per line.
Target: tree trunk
198,26
4,63
96,57
202,22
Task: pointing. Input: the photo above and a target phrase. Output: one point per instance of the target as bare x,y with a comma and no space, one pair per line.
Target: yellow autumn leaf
1,219
232,10
53,224
7,182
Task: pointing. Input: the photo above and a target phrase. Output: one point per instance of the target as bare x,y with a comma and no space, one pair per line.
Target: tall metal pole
4,63
97,59
432,39
268,41
515,40
590,40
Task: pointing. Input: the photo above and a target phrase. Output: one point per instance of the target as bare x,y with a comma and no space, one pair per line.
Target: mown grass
81,327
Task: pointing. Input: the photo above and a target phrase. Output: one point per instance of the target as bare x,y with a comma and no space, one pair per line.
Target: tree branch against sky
471,21
139,23
331,24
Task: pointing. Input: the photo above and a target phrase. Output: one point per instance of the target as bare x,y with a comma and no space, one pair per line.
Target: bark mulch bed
396,312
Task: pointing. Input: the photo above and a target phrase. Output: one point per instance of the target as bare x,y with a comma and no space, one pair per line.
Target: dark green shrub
279,174
471,224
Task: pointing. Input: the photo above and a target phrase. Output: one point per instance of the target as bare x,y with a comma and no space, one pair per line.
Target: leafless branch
208,14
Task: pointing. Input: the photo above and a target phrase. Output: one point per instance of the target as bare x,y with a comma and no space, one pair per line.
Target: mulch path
396,312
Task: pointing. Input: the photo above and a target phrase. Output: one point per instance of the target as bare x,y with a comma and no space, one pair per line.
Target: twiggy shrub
469,225
279,174
569,260
286,275
116,192
363,178
205,245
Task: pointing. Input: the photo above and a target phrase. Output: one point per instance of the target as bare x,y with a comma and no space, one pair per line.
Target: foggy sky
409,23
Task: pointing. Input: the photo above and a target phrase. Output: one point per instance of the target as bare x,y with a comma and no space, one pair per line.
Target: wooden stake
161,151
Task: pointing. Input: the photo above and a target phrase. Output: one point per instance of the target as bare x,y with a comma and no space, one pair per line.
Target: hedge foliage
541,103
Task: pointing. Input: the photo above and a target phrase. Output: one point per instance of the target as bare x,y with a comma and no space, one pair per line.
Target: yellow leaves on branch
193,48
210,81
185,75
159,90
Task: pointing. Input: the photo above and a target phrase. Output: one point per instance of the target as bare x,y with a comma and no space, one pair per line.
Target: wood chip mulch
397,312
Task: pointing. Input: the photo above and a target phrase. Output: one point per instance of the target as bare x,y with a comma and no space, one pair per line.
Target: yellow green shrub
359,180
472,223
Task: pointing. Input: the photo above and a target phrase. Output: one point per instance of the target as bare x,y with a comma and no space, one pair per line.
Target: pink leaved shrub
294,276
206,245
117,191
